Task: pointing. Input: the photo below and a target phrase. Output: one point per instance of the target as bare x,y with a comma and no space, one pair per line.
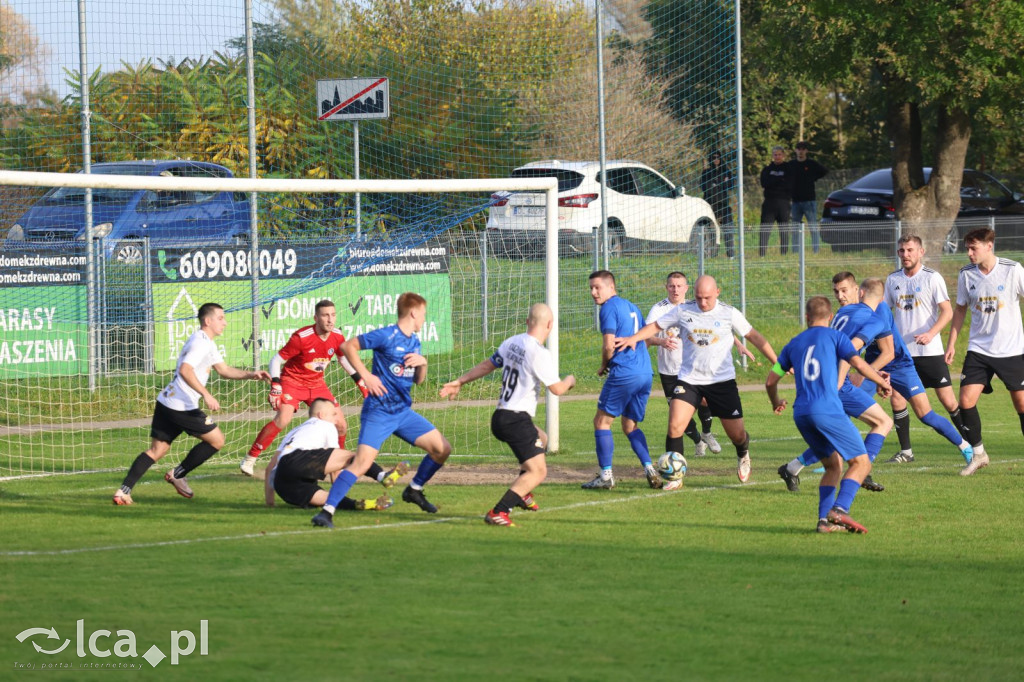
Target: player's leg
527,443
338,460
901,422
923,410
415,429
145,459
820,449
723,399
604,447
706,437
934,374
977,374
846,441
210,442
681,409
633,414
668,385
265,438
346,478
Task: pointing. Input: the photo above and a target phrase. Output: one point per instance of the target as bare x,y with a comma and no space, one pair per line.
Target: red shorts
293,394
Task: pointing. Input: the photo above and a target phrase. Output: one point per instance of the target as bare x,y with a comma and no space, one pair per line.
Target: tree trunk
927,209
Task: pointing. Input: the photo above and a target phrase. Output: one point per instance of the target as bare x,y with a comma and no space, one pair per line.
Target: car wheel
952,242
616,240
128,252
710,248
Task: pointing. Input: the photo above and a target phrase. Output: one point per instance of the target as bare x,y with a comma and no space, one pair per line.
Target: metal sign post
354,99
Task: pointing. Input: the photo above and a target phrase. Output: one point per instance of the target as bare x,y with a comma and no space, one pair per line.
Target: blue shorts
625,395
855,401
904,381
375,427
828,433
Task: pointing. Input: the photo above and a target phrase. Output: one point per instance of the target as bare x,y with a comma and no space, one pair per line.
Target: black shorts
723,398
168,424
298,475
668,384
978,369
933,371
518,430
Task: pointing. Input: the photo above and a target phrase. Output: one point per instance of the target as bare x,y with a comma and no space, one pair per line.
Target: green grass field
716,581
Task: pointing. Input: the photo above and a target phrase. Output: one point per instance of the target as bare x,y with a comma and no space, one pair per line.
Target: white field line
406,524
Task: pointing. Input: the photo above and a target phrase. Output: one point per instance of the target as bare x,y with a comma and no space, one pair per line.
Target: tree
938,65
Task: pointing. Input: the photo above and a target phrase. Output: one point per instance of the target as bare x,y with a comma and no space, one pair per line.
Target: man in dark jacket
806,172
717,183
777,182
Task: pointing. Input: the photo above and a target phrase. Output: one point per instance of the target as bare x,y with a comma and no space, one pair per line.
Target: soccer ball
672,466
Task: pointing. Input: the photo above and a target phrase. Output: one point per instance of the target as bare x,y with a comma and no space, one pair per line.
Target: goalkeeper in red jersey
297,376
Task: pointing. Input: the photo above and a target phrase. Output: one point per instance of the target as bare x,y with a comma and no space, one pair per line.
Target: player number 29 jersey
524,365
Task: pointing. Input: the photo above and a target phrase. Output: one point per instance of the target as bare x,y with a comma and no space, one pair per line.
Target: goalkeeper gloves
360,384
275,393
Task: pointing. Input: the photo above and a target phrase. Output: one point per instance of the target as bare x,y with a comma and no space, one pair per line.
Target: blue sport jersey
814,355
621,318
859,321
390,346
902,359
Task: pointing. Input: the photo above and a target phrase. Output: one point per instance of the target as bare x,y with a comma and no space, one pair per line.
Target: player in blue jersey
902,373
387,410
627,386
860,324
814,357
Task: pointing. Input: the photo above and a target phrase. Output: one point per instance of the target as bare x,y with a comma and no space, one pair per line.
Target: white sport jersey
993,299
668,360
524,364
201,353
312,434
915,307
707,340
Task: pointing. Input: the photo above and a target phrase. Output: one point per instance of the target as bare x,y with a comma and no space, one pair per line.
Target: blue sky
132,30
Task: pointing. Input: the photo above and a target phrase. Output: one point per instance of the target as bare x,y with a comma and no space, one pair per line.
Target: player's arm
268,482
944,317
771,385
880,378
353,375
188,374
451,389
742,349
645,332
351,349
419,364
761,344
229,372
564,386
886,352
957,323
608,348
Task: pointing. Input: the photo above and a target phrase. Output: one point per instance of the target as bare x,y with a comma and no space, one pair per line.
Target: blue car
122,218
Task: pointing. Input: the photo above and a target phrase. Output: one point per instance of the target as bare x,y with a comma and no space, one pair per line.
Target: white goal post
300,186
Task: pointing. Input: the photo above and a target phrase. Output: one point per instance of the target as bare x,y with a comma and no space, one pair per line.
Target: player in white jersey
707,371
670,356
992,289
177,406
525,365
310,453
921,309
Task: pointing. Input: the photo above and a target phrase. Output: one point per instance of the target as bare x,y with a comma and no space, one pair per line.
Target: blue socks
873,443
339,489
943,426
847,491
808,458
826,498
605,445
638,441
426,470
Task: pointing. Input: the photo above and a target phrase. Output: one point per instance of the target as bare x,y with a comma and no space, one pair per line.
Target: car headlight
98,231
16,232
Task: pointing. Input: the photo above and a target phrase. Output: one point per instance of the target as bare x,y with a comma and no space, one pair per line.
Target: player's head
818,311
706,292
910,251
980,243
602,286
322,408
540,321
871,291
676,286
211,319
324,316
844,286
412,307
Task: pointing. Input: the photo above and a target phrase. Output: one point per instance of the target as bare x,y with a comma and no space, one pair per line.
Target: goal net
89,336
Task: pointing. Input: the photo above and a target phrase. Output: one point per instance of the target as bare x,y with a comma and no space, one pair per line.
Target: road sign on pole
352,99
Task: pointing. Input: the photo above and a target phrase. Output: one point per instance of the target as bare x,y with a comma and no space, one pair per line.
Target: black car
861,215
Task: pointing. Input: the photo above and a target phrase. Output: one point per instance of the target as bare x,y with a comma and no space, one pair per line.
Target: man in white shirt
525,365
992,288
670,356
310,453
921,309
707,371
177,407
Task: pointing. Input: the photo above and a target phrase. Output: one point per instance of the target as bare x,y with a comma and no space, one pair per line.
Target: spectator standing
806,171
717,183
777,183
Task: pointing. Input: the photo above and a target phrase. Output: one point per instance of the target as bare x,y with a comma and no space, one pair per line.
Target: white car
644,210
